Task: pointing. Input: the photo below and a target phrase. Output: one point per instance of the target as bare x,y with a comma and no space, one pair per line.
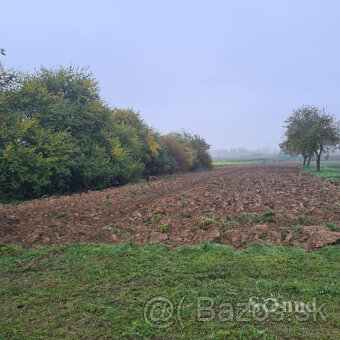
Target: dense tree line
311,131
57,134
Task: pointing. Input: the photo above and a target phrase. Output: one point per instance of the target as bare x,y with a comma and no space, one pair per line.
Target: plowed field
233,205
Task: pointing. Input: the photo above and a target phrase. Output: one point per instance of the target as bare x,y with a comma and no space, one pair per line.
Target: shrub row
57,134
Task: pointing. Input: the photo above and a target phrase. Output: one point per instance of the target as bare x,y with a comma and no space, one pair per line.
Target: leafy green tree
8,78
296,141
324,135
309,131
33,161
201,148
179,157
149,146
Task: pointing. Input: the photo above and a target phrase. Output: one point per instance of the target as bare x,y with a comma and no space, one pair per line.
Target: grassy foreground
105,291
329,170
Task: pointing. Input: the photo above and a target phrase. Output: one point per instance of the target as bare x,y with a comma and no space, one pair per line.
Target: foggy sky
231,71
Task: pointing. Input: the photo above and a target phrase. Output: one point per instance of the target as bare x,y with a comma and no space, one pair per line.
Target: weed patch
331,226
251,217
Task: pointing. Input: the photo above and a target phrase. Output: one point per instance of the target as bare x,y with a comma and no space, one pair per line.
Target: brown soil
187,209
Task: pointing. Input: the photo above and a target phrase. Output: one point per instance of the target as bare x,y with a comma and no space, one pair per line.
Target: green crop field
193,292
227,162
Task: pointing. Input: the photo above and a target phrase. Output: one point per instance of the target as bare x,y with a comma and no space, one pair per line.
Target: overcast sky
231,71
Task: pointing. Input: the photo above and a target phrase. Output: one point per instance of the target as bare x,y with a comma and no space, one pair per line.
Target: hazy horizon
231,72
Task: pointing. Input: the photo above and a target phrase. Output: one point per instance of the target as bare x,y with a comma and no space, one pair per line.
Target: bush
33,161
178,155
57,134
188,152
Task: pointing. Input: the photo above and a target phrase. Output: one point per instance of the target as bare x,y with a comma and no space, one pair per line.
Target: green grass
329,170
231,221
227,162
332,226
254,217
100,291
163,228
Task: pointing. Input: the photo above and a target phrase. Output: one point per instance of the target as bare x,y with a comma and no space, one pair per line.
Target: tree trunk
304,160
309,159
318,162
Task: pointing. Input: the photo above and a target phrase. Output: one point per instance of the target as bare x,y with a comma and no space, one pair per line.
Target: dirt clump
158,238
210,235
318,236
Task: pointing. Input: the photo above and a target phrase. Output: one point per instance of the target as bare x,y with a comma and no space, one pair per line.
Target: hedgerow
57,134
